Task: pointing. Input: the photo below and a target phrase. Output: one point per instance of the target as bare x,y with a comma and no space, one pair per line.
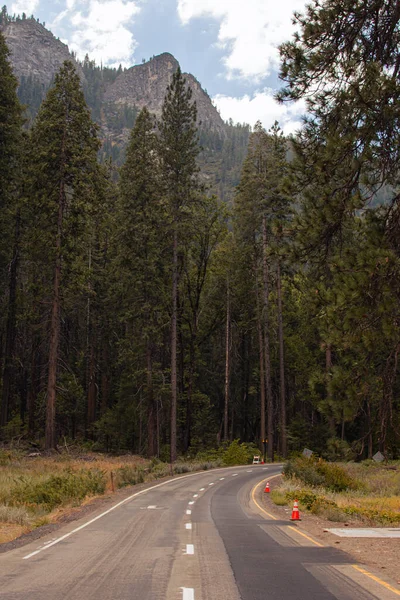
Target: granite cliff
145,85
35,52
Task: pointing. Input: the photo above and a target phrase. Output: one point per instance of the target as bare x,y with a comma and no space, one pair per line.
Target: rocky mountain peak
35,51
146,84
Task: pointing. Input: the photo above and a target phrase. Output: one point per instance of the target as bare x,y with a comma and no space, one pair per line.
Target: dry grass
19,472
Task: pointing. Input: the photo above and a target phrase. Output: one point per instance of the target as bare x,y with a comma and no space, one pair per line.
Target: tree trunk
104,379
151,409
262,371
189,396
370,438
32,390
328,366
267,359
50,439
174,320
281,365
10,327
92,390
227,362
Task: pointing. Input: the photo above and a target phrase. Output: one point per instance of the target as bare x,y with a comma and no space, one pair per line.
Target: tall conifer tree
140,258
63,162
179,150
10,147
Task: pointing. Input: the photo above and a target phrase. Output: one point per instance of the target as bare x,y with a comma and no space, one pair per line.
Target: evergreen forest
140,311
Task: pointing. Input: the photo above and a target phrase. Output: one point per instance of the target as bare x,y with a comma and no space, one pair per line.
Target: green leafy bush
129,475
320,473
279,498
335,477
239,454
56,490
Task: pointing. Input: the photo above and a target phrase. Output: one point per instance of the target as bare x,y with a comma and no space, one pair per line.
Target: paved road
204,536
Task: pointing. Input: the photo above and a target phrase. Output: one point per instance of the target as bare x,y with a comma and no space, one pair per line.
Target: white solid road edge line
187,593
67,535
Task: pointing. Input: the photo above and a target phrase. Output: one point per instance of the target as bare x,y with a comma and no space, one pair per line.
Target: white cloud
101,29
261,107
24,6
249,31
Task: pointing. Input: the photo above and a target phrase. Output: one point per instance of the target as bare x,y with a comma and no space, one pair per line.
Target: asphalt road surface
203,536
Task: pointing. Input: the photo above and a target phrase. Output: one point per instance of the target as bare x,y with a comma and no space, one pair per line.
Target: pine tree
179,150
141,259
63,166
10,159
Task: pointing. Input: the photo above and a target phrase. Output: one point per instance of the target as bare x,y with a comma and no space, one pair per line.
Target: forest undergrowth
366,492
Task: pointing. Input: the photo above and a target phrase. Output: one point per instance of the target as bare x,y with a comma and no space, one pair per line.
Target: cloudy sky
229,45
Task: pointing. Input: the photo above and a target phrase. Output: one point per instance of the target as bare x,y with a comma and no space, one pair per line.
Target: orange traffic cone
295,512
266,491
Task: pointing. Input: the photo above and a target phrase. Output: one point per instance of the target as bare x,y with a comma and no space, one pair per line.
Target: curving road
203,536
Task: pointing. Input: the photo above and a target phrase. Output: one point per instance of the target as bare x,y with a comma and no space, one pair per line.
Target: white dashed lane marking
195,495
202,489
189,549
221,478
188,512
191,502
210,484
188,526
187,593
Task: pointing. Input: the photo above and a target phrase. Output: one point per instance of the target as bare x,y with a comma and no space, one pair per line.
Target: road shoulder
380,555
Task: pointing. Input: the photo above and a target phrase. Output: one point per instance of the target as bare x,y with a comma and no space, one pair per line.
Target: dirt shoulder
380,554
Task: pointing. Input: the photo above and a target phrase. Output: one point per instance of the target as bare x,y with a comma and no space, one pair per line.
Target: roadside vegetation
37,490
366,491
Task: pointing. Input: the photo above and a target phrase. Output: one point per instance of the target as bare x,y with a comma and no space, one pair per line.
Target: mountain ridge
115,96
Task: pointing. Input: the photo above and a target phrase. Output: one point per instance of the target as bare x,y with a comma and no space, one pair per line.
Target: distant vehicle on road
256,460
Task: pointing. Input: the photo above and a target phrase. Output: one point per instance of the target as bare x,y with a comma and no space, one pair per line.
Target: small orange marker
295,512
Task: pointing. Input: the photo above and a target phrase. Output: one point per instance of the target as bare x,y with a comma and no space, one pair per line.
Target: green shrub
279,498
335,477
305,470
180,468
239,454
129,475
56,490
320,473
